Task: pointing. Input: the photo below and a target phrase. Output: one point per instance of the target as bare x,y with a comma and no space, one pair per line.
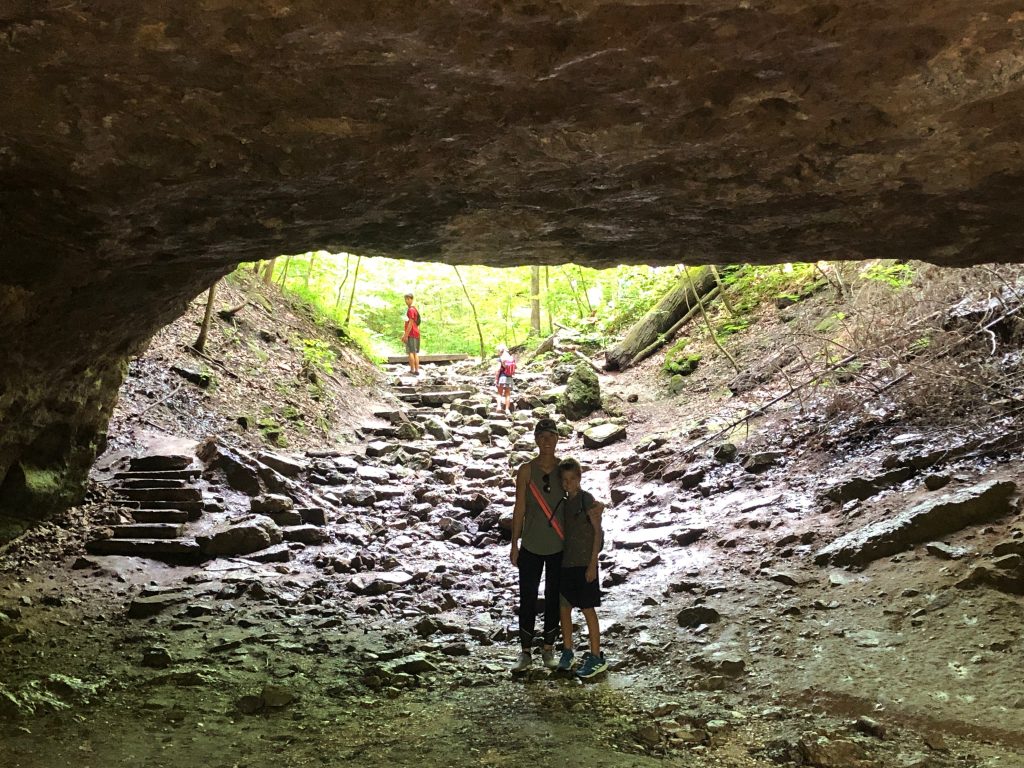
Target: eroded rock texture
146,147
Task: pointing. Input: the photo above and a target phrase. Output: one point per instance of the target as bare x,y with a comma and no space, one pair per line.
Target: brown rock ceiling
146,147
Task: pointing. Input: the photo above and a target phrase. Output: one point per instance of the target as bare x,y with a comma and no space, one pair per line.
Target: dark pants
530,567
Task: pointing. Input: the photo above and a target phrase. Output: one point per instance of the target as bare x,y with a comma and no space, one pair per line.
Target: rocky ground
840,594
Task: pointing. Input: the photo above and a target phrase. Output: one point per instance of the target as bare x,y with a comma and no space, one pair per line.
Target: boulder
582,394
604,434
305,534
286,465
359,497
923,522
270,503
250,535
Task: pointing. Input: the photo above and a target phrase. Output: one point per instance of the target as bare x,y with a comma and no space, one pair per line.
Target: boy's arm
519,510
594,514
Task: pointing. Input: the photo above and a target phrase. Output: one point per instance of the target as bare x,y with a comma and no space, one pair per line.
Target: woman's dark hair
569,465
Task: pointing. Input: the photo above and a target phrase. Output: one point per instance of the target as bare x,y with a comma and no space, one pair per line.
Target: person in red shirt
411,335
503,379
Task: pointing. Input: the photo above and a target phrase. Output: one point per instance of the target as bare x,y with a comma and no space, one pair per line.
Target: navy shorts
577,591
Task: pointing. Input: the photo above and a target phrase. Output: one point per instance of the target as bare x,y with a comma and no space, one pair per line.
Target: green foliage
633,291
751,285
232,334
600,304
895,274
732,325
317,355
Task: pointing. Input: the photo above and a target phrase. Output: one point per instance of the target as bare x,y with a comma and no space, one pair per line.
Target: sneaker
565,661
592,666
548,657
523,663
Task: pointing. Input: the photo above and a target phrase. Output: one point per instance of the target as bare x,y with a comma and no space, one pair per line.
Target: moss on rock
582,394
680,362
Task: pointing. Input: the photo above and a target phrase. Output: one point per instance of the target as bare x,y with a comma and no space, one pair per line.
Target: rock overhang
510,133
146,148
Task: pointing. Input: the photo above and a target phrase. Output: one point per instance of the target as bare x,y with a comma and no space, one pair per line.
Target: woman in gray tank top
538,519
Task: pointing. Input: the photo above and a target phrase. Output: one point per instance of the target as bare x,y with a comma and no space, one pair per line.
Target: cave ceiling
147,147
208,132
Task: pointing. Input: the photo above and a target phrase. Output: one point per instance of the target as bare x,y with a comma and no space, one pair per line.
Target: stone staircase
158,492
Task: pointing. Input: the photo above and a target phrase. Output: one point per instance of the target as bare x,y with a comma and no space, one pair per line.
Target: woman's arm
519,510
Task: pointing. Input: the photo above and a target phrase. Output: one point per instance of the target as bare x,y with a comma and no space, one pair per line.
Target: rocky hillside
800,585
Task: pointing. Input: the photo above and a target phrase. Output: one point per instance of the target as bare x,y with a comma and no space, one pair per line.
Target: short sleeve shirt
413,315
579,531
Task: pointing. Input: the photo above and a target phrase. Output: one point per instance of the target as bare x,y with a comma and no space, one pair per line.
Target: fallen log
666,337
660,320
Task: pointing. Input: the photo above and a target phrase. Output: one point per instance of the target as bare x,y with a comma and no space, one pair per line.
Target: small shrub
317,356
896,275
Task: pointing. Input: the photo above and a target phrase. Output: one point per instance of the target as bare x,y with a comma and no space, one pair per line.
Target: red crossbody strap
547,510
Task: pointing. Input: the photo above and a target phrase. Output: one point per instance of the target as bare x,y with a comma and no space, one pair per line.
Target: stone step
160,516
148,531
166,474
440,397
158,549
160,463
418,414
162,494
134,482
397,359
188,506
405,390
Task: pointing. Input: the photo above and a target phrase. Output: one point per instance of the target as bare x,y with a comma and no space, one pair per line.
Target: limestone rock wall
146,147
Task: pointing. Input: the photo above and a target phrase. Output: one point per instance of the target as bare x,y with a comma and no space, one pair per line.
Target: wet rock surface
390,607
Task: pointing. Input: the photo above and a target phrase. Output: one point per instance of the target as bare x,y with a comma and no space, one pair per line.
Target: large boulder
931,519
241,538
582,394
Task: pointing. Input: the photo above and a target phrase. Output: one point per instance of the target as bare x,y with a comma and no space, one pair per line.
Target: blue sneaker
592,666
565,661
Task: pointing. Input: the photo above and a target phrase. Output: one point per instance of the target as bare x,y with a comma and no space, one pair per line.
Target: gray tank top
539,535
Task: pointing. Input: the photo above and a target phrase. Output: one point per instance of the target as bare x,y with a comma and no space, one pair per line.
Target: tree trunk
309,268
657,322
586,291
284,272
344,279
479,331
547,299
574,291
535,300
352,296
204,330
670,334
268,273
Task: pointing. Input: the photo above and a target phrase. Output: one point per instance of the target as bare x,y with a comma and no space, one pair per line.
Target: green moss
679,362
582,393
830,323
271,431
42,482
